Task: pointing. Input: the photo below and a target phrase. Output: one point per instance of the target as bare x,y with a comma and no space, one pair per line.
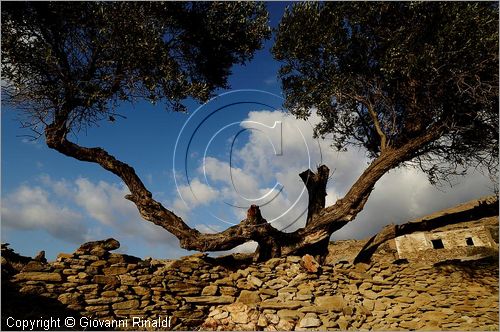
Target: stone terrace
292,293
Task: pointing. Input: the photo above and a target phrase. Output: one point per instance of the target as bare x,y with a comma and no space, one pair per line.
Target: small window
469,241
437,244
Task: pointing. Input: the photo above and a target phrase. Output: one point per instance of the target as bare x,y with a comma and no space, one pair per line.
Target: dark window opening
469,241
437,244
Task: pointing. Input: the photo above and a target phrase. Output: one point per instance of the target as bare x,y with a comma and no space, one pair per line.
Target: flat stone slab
224,299
313,308
331,303
281,305
38,276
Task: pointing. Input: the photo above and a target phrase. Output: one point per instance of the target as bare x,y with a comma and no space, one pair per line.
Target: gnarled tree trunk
313,238
316,189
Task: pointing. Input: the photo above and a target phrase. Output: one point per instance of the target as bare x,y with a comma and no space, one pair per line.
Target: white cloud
61,188
197,193
234,177
102,201
29,208
192,196
400,195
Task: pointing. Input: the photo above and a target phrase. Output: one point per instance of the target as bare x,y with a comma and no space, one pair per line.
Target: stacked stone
109,286
282,294
292,293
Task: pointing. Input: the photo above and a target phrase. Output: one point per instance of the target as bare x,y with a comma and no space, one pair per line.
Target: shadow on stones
22,306
34,307
231,262
471,270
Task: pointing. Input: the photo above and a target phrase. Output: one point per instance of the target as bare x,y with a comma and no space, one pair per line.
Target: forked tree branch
254,227
321,222
316,188
376,122
378,127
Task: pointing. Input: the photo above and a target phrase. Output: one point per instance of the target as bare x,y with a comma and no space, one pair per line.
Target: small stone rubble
380,296
292,293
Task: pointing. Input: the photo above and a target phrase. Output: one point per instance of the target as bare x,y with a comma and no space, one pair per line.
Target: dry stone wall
110,286
292,293
281,295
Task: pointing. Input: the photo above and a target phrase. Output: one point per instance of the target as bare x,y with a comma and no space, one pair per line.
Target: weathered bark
267,248
472,210
316,189
314,237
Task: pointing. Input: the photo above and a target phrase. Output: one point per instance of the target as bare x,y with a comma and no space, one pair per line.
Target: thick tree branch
472,210
316,188
321,222
373,115
254,227
345,209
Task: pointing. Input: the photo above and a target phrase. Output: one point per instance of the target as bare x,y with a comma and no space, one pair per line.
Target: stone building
457,243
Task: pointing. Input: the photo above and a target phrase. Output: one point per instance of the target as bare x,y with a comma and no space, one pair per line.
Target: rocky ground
281,295
429,291
292,293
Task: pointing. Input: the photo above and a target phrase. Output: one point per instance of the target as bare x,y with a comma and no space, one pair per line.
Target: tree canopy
87,56
381,74
406,81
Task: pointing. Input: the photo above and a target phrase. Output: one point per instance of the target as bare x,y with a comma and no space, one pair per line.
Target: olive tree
409,82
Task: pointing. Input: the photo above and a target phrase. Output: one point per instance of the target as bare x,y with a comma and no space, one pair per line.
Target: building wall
454,242
457,238
411,243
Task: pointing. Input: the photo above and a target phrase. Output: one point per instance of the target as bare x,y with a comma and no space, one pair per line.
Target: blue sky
54,203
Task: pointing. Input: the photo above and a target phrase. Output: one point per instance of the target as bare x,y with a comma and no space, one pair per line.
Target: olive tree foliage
67,66
86,57
406,81
383,74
